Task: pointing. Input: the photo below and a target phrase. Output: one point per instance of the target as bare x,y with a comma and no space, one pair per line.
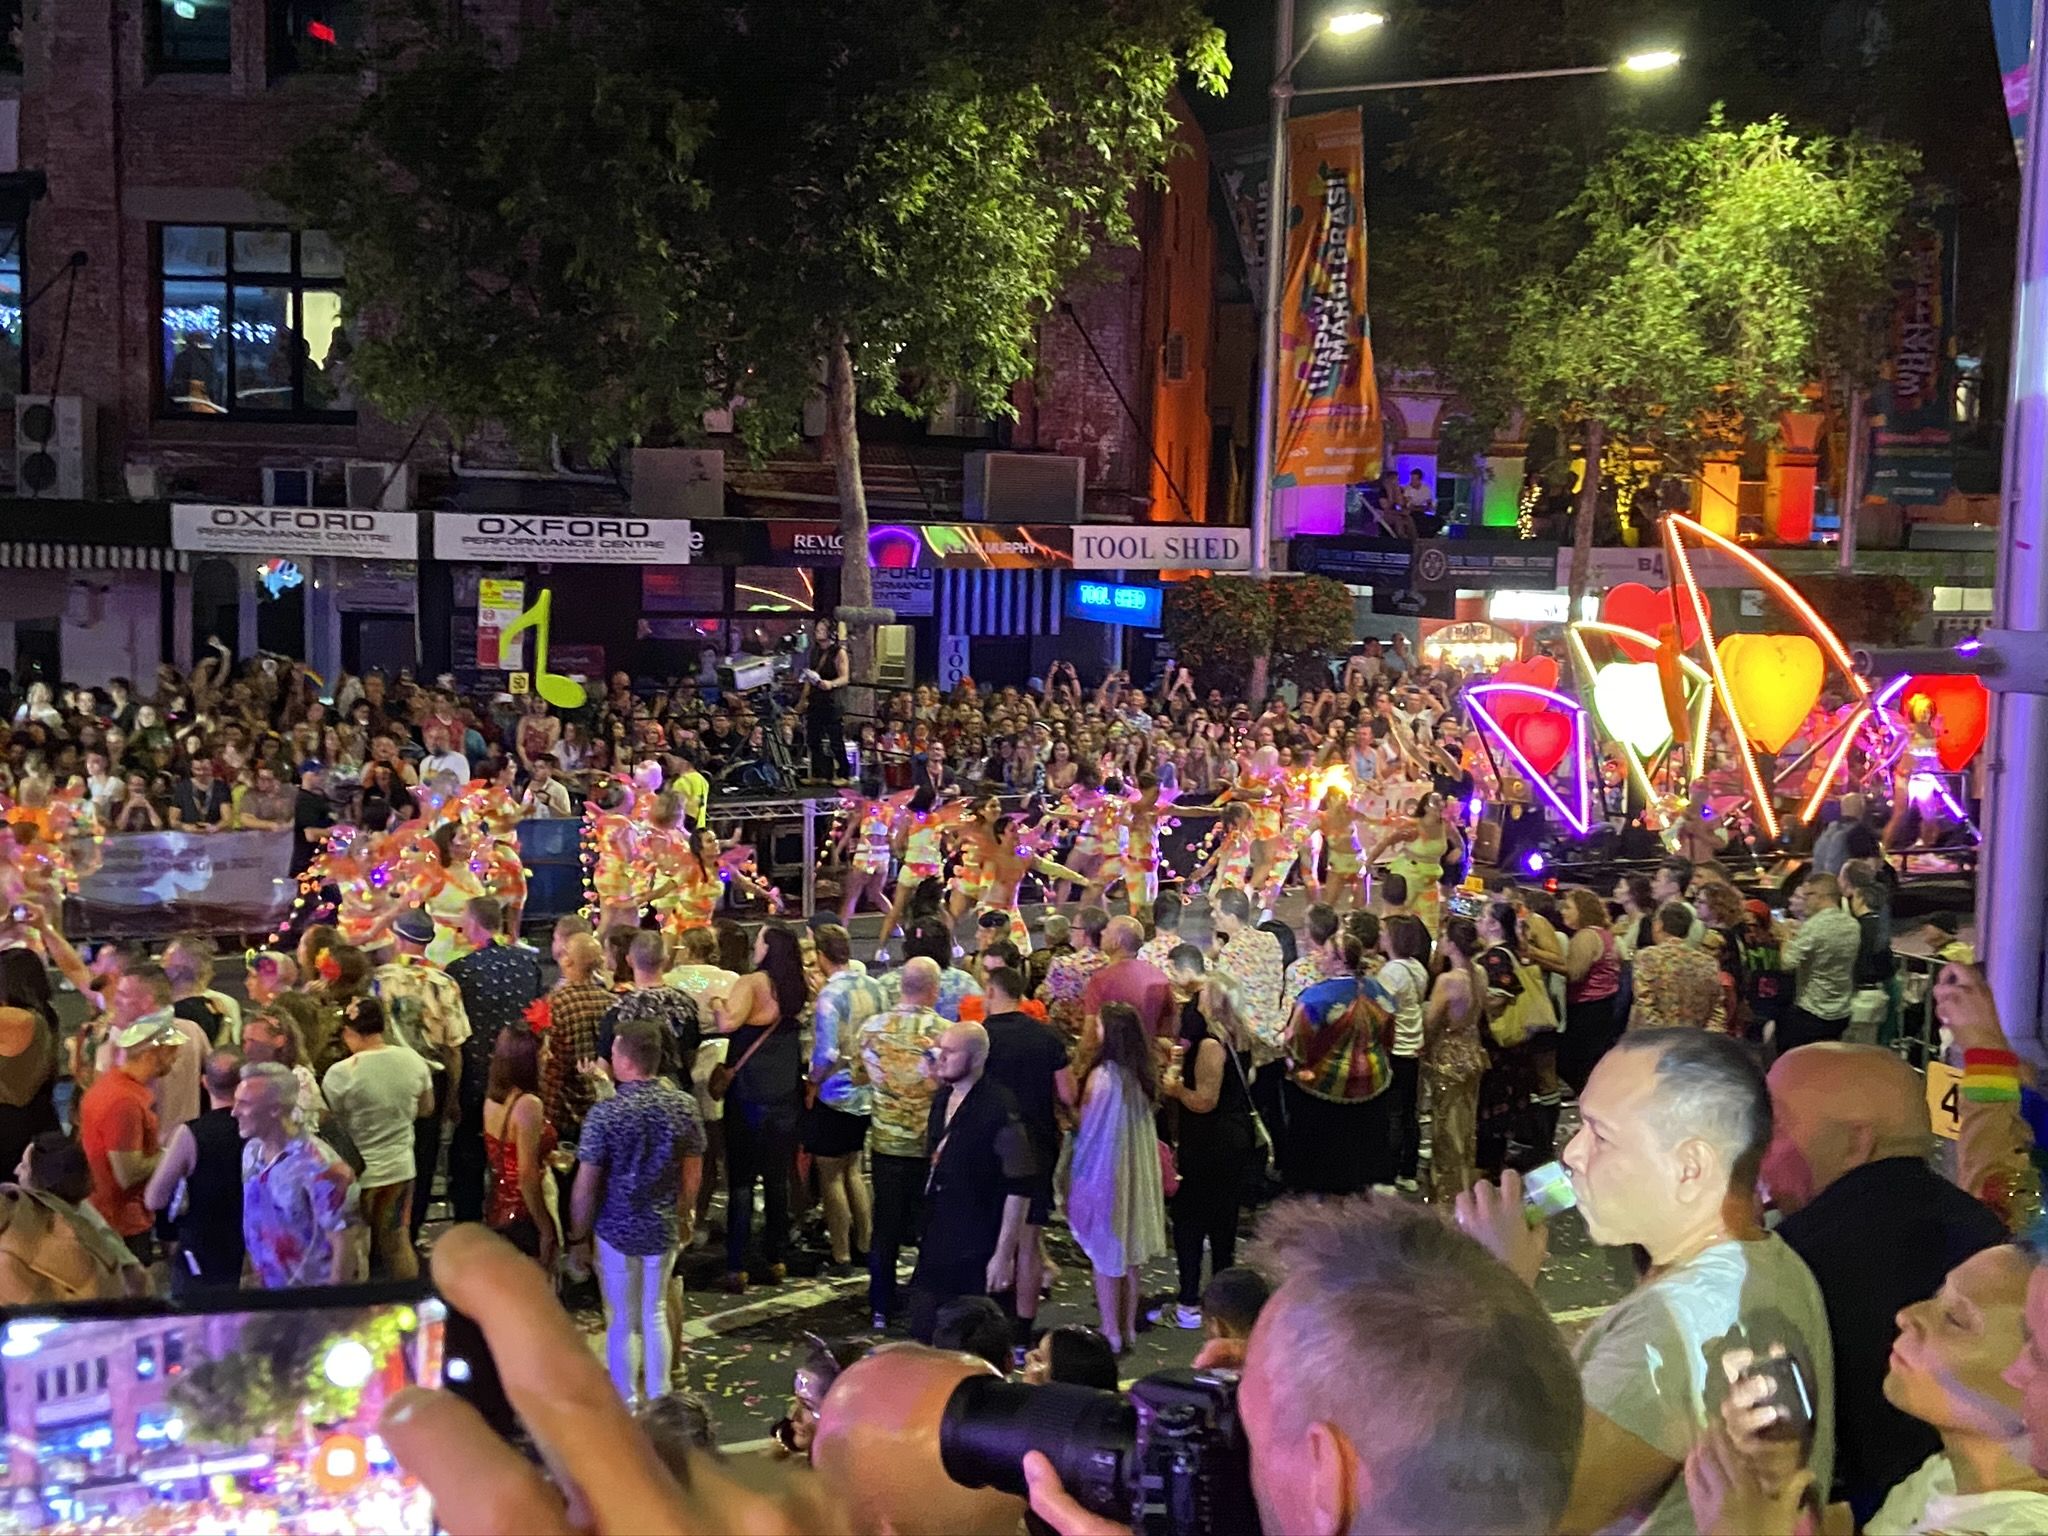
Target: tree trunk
1588,513
856,581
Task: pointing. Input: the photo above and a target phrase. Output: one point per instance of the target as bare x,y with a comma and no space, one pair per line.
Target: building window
251,323
80,1374
13,352
145,1358
312,34
174,1352
99,1373
42,1386
10,37
190,36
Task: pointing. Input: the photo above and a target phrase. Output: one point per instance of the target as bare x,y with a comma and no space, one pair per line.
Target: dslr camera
1169,1460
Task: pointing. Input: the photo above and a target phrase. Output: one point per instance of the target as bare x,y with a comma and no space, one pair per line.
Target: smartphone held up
254,1412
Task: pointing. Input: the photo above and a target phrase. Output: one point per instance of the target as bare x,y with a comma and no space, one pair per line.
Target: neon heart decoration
1483,699
1542,736
1538,672
1628,701
1962,706
1775,680
1635,606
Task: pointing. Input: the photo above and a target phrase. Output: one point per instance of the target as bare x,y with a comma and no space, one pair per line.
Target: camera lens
1088,1436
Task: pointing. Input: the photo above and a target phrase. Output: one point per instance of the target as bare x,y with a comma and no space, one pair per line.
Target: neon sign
1109,602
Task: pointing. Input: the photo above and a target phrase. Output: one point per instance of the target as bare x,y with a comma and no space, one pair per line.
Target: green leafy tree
1718,277
1225,627
275,1382
650,209
1219,626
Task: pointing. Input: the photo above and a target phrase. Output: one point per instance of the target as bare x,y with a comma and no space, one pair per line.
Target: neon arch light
1579,820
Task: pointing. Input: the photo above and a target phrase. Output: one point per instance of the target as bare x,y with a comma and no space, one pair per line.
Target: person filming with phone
1674,1123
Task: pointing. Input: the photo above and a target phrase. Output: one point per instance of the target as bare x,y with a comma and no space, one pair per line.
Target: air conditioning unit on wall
377,486
1023,487
55,448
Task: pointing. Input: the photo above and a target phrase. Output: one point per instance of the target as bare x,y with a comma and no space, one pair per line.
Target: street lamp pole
1284,94
1263,443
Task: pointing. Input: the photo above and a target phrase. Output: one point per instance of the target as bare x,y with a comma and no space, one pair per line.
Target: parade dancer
917,844
1424,843
973,842
1008,862
1292,844
1141,848
1093,842
1337,824
1231,857
866,832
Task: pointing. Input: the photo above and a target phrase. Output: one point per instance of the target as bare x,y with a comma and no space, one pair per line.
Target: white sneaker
1175,1316
1407,1186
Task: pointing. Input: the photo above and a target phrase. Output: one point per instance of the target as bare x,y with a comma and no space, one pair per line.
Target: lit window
190,36
251,323
174,1352
12,237
145,1358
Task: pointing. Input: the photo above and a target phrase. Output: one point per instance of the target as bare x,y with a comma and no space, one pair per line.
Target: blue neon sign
1108,602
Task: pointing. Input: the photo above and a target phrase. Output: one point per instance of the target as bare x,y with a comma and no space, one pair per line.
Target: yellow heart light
1629,703
1774,680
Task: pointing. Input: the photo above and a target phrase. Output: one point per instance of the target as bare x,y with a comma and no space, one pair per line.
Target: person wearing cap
117,1124
423,1005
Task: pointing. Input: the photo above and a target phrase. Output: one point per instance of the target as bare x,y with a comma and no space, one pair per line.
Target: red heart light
1542,736
1635,606
1963,708
1536,672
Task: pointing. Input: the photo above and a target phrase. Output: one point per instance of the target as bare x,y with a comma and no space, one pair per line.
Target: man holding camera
1674,1127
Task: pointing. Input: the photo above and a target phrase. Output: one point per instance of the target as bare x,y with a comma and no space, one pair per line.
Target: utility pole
1264,441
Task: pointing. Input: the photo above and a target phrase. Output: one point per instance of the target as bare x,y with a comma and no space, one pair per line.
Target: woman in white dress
1116,1204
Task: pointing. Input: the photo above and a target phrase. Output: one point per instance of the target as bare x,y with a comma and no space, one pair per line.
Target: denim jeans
635,1290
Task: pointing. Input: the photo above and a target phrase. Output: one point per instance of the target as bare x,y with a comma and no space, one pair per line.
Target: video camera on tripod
758,678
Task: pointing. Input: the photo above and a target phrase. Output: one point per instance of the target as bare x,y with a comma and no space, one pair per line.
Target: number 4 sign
1945,1100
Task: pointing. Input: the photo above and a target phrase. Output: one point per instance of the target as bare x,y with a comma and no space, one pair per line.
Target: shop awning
39,556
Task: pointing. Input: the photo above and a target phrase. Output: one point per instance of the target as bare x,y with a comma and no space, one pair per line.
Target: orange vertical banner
1329,429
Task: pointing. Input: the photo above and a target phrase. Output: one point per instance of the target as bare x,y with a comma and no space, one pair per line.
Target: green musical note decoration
559,690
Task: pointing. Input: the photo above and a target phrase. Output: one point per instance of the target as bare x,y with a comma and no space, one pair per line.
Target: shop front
87,590
336,586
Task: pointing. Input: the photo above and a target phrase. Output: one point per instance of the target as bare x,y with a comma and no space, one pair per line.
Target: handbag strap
759,1040
1250,1104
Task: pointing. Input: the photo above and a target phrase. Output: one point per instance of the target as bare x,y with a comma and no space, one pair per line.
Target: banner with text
499,605
557,539
1166,547
1329,427
294,533
154,884
1912,450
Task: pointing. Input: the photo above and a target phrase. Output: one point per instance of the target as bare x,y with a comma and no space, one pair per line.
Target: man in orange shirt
118,1129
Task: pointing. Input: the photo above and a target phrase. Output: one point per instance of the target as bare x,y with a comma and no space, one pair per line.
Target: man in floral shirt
1675,984
424,1006
1069,976
1252,956
299,1220
890,1061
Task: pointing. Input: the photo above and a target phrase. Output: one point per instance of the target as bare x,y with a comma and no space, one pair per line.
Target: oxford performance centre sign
506,538
294,533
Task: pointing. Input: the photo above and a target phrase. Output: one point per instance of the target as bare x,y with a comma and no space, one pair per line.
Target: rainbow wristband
1991,1077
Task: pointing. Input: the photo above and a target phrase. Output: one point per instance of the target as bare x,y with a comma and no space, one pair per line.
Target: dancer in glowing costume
1007,864
973,842
867,828
1423,843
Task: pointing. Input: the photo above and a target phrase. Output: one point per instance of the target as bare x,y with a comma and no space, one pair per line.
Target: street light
1343,24
1652,60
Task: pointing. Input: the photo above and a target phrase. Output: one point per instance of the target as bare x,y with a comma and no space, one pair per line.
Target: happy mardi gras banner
1329,429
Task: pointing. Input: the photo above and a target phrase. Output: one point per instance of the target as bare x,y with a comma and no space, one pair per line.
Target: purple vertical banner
2012,24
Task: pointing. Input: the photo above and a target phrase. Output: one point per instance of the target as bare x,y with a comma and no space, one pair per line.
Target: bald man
575,1009
979,1193
1128,979
1847,1167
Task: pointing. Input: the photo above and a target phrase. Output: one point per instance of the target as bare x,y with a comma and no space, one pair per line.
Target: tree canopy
642,210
